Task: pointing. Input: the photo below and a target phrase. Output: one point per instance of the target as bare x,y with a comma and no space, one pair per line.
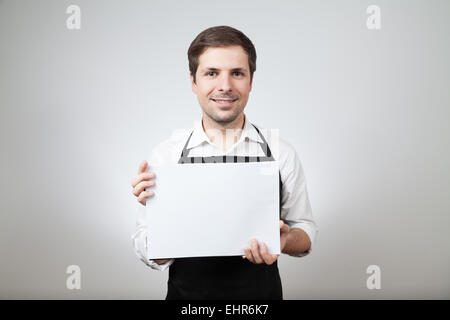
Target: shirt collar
199,136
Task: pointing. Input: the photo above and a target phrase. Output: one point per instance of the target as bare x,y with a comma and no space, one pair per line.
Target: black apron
230,277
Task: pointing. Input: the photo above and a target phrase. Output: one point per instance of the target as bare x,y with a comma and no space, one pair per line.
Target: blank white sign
213,209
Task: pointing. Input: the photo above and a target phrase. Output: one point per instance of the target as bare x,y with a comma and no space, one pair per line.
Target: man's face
222,82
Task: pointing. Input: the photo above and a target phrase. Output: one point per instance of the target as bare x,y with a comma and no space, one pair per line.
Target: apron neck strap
265,145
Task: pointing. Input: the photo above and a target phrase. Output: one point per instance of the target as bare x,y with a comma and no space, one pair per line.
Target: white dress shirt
295,205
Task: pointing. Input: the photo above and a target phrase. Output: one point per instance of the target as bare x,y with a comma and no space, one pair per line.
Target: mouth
224,102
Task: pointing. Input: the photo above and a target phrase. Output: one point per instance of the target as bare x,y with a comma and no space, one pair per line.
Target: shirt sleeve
139,238
295,206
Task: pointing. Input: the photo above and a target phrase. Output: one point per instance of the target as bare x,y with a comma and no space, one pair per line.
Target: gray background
366,110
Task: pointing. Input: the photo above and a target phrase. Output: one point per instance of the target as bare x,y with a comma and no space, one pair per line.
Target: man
222,61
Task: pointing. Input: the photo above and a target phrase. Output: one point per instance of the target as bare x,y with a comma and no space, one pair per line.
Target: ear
193,84
251,82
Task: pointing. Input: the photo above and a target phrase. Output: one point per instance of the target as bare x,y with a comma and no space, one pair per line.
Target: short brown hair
220,36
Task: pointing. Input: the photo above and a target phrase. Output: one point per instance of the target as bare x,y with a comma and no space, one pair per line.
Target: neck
223,135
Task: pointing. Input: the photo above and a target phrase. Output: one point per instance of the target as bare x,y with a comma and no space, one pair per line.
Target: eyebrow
216,69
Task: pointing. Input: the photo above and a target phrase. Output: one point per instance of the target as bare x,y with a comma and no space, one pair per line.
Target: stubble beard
224,120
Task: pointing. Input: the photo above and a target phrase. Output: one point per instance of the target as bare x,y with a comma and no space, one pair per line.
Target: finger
245,256
141,186
267,257
141,177
144,195
255,251
142,166
248,255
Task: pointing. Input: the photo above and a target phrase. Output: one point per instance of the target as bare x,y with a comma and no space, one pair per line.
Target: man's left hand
258,253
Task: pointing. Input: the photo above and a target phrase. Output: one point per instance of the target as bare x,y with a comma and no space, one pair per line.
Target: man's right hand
141,181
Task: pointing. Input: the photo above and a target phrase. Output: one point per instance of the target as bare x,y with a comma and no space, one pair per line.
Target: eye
238,73
210,72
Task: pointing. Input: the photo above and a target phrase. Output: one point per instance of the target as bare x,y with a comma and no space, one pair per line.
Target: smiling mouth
224,102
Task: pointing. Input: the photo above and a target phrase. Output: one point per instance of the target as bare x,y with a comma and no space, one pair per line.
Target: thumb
284,227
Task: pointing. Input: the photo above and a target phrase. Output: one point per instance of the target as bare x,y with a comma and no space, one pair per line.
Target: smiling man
222,62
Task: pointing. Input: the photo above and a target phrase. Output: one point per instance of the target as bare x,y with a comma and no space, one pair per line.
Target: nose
224,84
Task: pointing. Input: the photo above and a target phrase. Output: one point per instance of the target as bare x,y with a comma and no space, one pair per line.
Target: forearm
297,242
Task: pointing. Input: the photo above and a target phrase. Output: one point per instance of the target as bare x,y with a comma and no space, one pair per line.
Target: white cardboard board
213,209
